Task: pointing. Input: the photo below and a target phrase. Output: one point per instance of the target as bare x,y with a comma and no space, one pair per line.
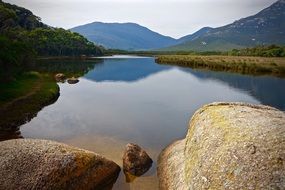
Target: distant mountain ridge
126,36
265,28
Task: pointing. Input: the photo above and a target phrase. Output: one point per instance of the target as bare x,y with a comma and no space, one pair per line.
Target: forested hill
12,16
20,24
23,36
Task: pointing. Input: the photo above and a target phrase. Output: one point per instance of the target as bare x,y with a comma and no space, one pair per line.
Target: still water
133,99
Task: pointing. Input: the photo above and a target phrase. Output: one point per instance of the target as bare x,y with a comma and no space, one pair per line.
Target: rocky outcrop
228,146
42,164
135,160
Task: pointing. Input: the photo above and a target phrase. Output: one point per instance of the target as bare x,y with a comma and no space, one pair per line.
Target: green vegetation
60,42
156,53
22,98
23,36
244,65
204,45
13,18
70,68
19,87
25,95
261,51
14,57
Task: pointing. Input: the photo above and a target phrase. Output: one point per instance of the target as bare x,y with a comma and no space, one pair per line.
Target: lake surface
133,99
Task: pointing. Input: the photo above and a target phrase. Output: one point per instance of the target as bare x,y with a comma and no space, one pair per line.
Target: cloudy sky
174,18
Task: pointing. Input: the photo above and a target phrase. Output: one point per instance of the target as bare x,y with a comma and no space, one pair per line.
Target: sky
174,18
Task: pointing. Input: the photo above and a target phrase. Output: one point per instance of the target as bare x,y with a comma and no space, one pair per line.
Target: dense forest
23,36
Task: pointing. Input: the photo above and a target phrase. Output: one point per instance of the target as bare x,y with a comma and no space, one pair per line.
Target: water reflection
9,126
71,67
127,70
135,100
268,90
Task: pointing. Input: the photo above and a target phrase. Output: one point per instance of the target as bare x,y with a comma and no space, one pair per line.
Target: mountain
125,36
265,28
195,35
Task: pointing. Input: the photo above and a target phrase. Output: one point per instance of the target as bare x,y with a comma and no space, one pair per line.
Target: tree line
23,37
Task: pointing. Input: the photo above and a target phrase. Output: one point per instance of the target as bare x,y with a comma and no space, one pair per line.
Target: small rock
60,77
72,80
135,160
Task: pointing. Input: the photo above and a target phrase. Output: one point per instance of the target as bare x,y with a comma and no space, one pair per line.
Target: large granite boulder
42,164
135,160
228,146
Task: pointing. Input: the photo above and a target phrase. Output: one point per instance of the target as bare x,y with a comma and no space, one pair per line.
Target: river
132,99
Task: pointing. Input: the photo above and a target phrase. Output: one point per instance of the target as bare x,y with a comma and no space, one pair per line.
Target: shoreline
21,109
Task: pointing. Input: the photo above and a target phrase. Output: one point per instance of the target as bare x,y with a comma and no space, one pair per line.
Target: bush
262,51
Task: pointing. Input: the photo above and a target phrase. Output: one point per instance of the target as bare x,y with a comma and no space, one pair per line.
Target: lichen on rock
42,164
230,146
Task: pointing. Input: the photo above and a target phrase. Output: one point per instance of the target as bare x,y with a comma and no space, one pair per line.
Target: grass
19,87
21,99
238,64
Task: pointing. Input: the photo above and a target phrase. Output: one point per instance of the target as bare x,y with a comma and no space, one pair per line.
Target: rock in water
60,77
72,80
135,160
42,164
228,146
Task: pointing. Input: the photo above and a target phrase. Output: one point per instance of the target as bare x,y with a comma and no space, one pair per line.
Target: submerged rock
60,77
42,164
72,80
228,146
135,160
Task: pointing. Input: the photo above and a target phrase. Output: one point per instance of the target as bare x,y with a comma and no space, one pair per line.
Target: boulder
72,80
60,77
171,167
228,146
42,164
135,160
